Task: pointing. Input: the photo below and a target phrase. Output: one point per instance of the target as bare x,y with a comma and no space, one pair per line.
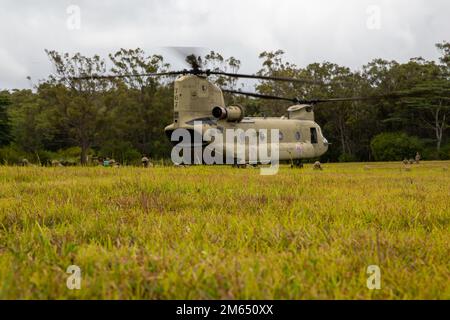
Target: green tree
5,136
432,99
274,64
444,47
214,61
77,104
140,106
30,129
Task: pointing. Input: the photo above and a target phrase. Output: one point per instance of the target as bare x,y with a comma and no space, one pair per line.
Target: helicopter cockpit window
298,136
313,135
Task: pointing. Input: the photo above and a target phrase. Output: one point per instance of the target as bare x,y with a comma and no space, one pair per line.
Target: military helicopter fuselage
197,99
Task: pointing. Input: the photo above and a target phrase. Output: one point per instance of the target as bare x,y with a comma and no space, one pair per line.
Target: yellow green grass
227,233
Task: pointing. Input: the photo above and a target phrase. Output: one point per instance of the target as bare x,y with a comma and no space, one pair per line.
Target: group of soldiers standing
107,162
145,161
104,162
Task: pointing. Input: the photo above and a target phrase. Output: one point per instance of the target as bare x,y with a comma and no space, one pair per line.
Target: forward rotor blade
258,95
311,101
393,95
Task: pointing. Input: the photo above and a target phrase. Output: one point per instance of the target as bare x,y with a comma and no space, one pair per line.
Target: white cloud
11,68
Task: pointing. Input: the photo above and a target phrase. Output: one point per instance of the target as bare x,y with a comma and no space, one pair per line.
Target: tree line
73,121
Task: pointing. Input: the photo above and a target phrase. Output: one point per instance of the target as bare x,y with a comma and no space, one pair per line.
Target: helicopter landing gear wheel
297,164
239,165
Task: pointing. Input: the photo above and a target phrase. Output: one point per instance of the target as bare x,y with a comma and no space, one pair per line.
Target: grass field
222,232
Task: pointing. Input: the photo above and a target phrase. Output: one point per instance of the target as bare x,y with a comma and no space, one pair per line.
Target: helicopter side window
313,135
298,136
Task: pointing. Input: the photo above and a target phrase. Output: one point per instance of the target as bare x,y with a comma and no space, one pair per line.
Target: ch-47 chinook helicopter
198,100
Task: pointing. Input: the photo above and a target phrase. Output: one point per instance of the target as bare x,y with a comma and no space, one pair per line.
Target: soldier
317,165
145,161
56,163
417,157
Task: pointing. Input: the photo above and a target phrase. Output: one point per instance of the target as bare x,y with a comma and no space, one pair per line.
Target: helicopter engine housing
301,112
230,113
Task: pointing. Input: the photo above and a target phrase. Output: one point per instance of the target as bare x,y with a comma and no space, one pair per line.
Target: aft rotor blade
252,76
189,56
120,76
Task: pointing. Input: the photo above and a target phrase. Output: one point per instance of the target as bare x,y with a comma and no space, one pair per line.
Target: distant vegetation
395,146
122,119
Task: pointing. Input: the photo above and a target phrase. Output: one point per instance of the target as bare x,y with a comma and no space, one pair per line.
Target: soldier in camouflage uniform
418,157
145,161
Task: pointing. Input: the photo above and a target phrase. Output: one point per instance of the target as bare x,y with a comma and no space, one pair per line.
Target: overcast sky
348,32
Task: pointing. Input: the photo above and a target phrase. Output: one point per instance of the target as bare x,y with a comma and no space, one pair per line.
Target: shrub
445,152
347,157
392,146
11,155
43,157
121,151
69,156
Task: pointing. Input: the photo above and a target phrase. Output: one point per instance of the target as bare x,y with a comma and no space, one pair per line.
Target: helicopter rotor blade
189,56
258,95
272,78
112,76
312,101
196,71
120,76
